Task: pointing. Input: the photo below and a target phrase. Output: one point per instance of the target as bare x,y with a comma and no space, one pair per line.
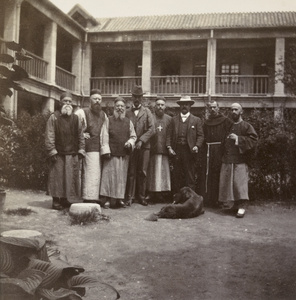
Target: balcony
115,85
229,85
65,79
177,84
251,85
36,67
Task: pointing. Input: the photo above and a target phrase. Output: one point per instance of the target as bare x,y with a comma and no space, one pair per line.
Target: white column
86,69
77,65
11,33
50,49
146,66
279,87
211,66
48,105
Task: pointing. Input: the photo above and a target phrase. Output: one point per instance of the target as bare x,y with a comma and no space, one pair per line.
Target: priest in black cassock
159,179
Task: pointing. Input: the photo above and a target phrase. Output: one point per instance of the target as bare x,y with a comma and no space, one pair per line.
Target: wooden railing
115,85
36,67
175,84
65,79
244,84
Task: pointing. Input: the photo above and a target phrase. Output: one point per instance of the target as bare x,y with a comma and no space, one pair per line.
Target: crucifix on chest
159,127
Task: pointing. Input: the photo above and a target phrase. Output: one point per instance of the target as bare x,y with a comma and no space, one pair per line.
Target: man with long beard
159,179
241,139
93,119
122,138
64,143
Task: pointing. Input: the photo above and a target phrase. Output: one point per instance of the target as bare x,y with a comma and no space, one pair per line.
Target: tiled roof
197,21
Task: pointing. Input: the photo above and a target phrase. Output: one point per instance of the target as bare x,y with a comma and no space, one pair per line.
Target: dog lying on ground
186,204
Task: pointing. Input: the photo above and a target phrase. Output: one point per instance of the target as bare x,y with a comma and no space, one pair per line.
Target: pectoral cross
159,128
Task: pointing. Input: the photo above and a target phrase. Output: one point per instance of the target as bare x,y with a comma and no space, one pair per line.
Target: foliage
273,171
22,155
21,211
88,217
30,270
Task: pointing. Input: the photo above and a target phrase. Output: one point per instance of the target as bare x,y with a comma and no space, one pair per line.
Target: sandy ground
214,256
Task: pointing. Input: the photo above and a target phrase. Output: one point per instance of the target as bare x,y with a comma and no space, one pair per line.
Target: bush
273,171
23,156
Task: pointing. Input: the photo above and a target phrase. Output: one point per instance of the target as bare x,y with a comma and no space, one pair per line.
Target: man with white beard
93,118
65,145
122,138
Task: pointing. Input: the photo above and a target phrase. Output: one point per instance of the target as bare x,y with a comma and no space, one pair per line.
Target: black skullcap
64,95
119,99
160,98
95,91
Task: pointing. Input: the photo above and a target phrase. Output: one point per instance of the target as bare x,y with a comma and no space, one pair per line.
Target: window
229,73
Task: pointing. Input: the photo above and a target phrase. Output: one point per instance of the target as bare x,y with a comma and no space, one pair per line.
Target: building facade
227,57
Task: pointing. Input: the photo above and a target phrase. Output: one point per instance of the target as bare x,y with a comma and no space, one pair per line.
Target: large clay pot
2,199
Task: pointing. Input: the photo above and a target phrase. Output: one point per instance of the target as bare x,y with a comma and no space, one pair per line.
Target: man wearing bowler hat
142,120
183,143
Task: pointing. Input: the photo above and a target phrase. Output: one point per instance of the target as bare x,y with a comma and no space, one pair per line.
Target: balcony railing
244,84
115,85
178,84
191,85
36,67
65,79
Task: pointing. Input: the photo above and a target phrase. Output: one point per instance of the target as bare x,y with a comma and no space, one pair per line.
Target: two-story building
228,56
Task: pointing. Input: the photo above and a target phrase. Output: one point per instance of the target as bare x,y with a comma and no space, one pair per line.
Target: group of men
139,156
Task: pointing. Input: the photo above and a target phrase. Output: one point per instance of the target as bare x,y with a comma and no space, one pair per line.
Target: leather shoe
144,202
121,204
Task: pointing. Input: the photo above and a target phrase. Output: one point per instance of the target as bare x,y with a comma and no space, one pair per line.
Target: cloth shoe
240,213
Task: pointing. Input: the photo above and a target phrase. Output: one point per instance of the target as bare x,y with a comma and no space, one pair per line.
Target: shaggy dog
187,204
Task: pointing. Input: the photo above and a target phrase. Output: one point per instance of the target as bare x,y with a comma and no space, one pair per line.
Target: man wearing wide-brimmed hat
183,144
64,142
143,122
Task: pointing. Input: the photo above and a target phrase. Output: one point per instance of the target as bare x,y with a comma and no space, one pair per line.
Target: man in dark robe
159,179
139,159
241,139
215,127
183,143
64,142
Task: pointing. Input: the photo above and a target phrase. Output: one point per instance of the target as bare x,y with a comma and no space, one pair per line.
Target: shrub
273,171
23,156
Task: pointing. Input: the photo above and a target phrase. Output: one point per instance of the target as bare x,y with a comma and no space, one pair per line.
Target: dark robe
215,130
234,170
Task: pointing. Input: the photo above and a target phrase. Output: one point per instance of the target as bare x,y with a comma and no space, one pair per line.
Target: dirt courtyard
214,256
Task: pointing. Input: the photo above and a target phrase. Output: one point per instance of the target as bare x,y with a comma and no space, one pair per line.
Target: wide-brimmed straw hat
185,99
